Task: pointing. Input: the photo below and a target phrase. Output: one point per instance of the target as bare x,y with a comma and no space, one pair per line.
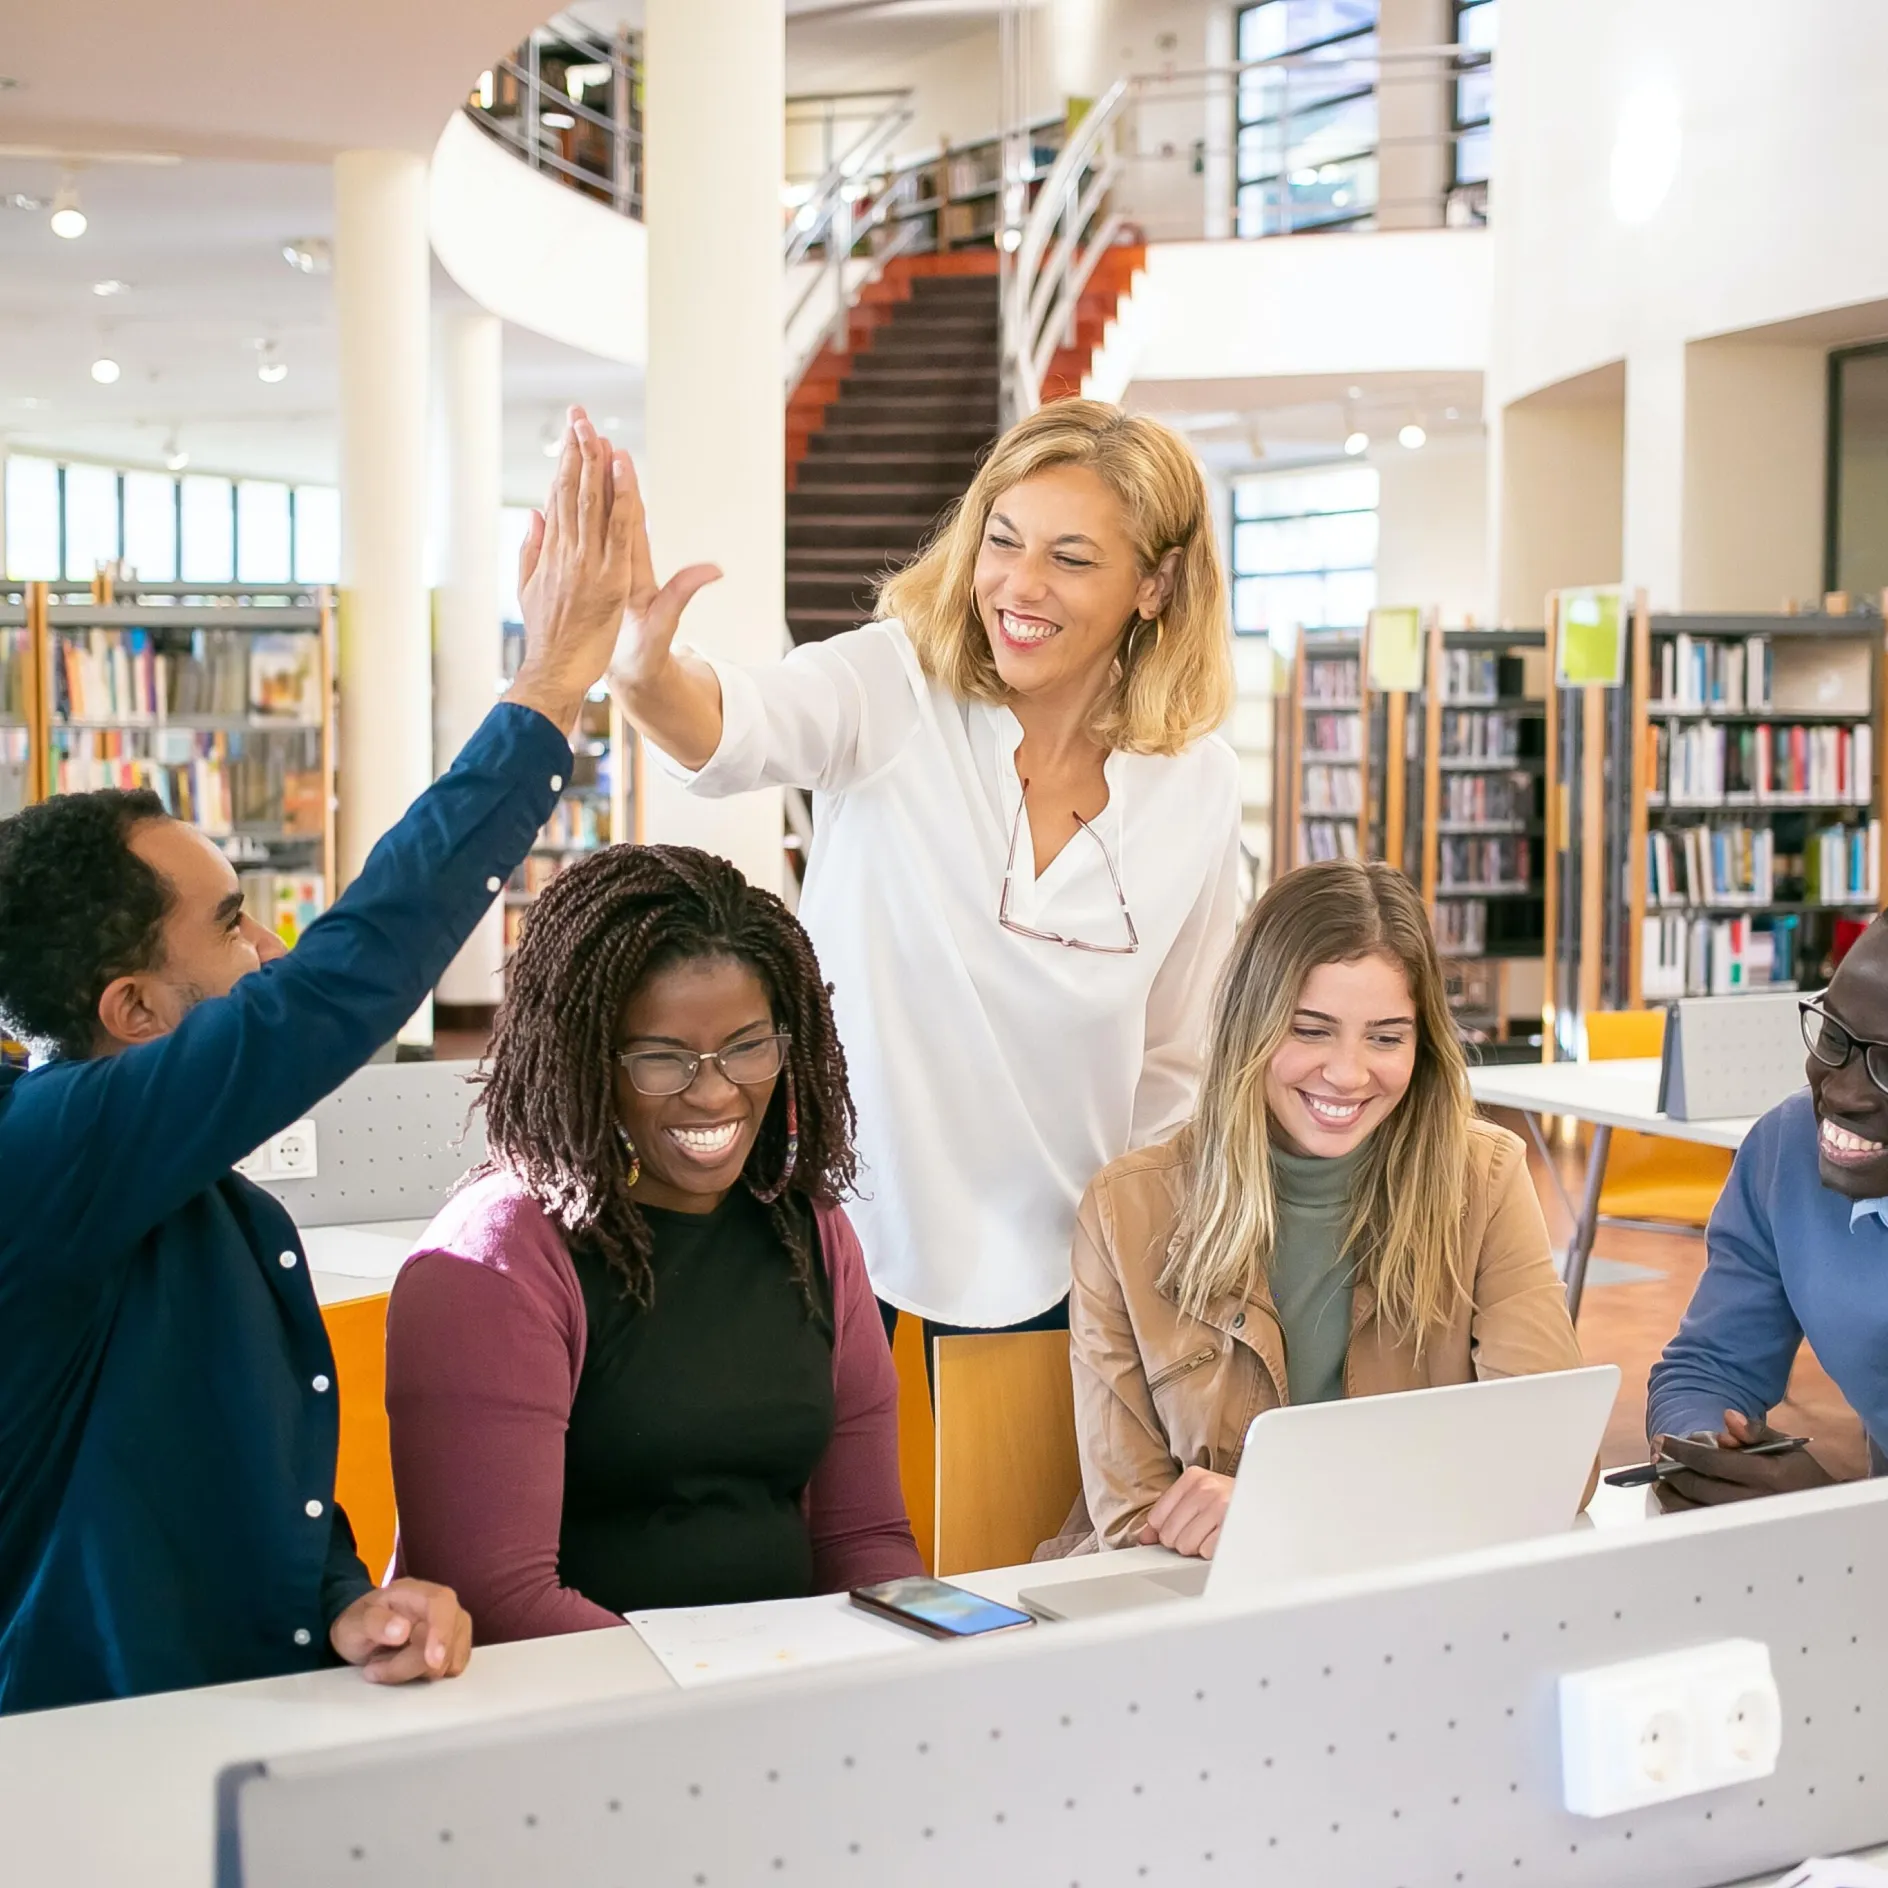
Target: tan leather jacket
1156,1392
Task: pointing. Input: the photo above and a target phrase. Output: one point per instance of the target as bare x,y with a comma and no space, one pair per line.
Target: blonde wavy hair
1167,689
1405,1228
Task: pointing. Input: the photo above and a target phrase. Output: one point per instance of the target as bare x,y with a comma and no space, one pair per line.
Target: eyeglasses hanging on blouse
1055,937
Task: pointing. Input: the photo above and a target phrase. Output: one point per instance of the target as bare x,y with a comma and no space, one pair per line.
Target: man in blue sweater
168,1418
1798,1247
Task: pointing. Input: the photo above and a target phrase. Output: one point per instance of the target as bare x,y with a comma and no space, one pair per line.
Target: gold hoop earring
1135,640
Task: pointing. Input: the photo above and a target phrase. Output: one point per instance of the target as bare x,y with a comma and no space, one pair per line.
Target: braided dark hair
592,937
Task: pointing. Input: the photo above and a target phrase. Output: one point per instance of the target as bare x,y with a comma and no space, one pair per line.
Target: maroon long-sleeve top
485,1345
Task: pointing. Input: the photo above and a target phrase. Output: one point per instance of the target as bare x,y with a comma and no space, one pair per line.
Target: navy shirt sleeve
1740,1335
167,1119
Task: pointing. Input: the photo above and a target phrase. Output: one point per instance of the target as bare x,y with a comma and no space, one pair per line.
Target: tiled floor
1628,1324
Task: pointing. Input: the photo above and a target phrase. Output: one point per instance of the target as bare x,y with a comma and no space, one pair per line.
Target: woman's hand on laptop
1187,1518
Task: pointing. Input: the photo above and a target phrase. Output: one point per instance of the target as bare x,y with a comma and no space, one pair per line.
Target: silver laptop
1380,1481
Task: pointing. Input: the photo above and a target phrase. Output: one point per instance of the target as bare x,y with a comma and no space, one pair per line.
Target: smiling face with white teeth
1058,584
1851,1111
692,1146
1348,1058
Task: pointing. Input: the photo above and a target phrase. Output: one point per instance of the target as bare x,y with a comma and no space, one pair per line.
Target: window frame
1238,573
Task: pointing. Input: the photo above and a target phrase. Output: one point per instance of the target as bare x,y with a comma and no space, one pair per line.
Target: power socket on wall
1675,1724
290,1156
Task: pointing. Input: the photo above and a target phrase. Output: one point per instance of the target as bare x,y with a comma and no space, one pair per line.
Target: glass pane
261,532
1254,209
1297,494
1348,539
1349,597
1471,156
1262,30
1293,603
1331,132
1289,25
151,526
1259,153
32,518
91,519
209,542
1248,606
1474,97
317,534
1335,193
1477,25
1313,79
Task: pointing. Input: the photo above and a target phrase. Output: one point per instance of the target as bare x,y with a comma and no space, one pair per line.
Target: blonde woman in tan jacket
1334,1221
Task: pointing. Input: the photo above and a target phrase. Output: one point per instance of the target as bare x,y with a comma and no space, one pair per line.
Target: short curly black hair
77,908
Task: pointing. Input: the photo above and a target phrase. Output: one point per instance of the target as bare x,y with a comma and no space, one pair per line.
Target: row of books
1470,675
1471,862
1472,734
1462,927
287,903
1716,956
220,781
15,656
579,824
1330,839
1333,789
1731,673
1741,865
1842,865
1487,799
1335,734
1706,764
140,675
1332,678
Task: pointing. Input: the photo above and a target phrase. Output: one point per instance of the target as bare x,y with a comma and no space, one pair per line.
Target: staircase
884,435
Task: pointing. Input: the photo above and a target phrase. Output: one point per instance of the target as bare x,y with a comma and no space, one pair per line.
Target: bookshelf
1477,767
601,804
1717,819
1327,749
955,197
218,698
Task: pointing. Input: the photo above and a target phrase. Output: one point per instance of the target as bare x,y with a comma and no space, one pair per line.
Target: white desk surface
358,1261
1621,1094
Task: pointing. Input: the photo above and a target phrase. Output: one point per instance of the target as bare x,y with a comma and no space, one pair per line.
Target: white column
381,265
1414,113
468,600
714,461
1222,131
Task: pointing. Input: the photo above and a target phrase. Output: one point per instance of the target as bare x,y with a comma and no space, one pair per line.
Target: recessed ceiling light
1413,437
308,255
1356,443
111,286
1353,393
272,371
105,370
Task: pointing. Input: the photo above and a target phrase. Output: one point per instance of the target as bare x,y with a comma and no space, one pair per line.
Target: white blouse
994,1075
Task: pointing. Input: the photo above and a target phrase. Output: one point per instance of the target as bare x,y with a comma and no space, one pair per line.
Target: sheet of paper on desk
704,1645
1836,1874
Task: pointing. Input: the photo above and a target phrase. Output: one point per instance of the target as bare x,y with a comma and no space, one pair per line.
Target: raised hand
654,611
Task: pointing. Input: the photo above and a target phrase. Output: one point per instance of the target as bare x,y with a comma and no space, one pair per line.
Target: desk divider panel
390,1143
1395,1733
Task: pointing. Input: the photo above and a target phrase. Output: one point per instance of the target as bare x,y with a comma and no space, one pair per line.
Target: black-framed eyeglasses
1055,937
672,1071
1834,1046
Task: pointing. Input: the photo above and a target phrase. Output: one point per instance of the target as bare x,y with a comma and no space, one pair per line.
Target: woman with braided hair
635,1361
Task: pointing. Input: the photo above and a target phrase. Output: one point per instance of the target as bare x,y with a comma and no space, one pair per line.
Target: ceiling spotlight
175,458
1355,444
308,255
111,286
1012,239
105,370
1412,436
271,372
1450,413
1353,393
68,220
557,121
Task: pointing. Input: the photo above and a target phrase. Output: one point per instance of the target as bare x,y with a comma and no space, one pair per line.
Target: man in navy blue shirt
1798,1248
168,1416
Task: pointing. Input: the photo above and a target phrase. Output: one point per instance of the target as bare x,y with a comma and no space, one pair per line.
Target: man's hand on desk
574,576
1188,1516
408,1629
1721,1470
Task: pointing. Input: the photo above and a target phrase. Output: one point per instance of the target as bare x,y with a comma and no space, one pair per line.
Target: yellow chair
363,1476
1647,1175
1007,1468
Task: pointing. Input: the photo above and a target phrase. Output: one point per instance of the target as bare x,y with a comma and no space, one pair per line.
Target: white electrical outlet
292,1152
1675,1724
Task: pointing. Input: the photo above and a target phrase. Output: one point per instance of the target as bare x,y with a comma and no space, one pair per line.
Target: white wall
1432,528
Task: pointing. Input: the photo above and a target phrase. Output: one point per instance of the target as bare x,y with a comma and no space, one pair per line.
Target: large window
1308,127
63,521
1304,551
1475,23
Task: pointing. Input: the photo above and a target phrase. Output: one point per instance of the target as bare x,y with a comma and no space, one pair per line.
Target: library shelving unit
955,198
220,698
1476,766
600,806
1324,806
1727,830
22,741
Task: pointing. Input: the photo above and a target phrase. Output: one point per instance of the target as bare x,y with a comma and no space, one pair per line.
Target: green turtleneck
1311,1283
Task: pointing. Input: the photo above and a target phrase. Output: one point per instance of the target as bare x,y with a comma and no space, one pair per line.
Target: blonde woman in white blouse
1023,878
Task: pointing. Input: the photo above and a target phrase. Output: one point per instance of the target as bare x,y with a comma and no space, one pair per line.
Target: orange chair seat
1647,1175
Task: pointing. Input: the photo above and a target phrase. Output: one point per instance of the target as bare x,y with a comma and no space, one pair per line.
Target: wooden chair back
1007,1468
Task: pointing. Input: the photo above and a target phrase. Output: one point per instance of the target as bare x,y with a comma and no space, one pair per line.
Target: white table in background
358,1261
1622,1094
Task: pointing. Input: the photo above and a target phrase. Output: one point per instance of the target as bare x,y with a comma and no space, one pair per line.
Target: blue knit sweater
1785,1264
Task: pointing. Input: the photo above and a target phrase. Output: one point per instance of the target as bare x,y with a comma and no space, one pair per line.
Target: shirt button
321,1383
312,1509
494,883
287,1261
302,1635
557,783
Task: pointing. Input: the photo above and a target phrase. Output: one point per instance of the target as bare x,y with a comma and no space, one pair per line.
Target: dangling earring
635,1159
793,1149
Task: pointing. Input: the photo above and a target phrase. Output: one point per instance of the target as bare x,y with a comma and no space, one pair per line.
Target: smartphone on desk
938,1609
